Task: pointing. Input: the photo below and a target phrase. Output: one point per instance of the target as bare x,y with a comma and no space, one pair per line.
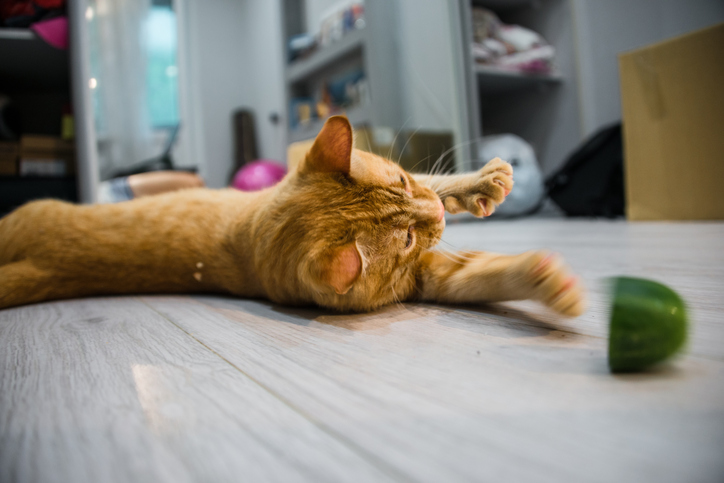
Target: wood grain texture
216,389
107,390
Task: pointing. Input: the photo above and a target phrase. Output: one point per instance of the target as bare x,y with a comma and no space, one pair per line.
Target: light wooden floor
212,389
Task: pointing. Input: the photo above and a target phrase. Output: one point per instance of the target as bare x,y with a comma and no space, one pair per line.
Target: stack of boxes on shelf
37,156
46,156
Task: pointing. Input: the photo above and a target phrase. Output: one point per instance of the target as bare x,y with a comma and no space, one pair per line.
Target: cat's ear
343,268
332,150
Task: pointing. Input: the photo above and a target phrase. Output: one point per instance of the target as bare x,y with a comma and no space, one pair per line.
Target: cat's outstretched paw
552,283
486,190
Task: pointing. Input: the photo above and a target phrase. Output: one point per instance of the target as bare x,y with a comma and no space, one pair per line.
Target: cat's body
347,230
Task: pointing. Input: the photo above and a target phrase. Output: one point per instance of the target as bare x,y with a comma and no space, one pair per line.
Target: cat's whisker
421,161
395,297
367,138
460,255
392,145
457,248
448,256
438,163
402,151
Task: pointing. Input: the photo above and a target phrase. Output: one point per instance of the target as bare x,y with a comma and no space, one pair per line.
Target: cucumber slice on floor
648,324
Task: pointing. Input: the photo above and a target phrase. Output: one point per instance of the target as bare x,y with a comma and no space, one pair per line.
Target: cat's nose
442,211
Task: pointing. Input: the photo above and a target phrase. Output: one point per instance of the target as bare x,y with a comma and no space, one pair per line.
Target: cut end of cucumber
648,324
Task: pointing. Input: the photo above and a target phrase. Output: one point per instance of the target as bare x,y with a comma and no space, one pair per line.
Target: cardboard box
9,152
414,151
673,119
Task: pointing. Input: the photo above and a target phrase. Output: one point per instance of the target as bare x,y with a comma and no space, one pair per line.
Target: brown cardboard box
673,118
9,152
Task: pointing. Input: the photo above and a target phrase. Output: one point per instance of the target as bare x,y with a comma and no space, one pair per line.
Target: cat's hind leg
23,283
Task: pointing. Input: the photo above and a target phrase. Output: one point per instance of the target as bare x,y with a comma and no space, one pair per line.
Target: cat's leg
477,277
479,192
23,283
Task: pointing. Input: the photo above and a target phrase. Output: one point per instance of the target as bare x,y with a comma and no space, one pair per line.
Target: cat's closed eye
405,185
410,236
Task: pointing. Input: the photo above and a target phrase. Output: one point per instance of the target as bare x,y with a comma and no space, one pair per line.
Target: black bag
590,183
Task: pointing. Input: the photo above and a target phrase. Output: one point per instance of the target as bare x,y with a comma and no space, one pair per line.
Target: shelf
361,115
504,4
16,34
494,80
28,63
301,69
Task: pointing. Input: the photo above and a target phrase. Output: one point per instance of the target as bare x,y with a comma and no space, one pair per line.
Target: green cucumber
648,324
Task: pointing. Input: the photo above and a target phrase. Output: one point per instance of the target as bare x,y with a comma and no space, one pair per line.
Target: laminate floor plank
106,390
206,388
503,393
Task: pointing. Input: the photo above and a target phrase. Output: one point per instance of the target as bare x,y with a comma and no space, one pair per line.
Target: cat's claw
501,183
494,184
553,284
483,203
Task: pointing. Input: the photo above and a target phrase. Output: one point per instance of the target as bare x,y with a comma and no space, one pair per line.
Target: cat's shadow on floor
505,321
494,319
500,321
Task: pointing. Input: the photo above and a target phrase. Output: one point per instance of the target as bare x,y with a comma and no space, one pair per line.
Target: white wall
262,26
427,64
234,60
606,28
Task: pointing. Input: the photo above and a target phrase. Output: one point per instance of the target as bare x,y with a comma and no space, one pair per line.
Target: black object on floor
591,181
15,191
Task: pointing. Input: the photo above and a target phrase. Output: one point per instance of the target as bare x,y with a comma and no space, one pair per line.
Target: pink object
258,175
53,31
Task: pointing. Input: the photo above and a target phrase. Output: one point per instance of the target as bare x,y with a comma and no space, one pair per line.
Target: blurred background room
96,90
611,113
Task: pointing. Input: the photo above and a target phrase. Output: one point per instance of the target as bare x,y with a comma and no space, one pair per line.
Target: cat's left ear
343,268
332,150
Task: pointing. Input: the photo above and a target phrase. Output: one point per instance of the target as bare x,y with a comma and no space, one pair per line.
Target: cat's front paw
552,283
486,190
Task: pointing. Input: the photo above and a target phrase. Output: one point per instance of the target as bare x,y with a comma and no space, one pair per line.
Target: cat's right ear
342,269
332,150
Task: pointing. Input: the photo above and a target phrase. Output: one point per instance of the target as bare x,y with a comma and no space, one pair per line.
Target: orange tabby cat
346,230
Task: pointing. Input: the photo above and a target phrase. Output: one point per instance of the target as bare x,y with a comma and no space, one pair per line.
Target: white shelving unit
36,77
43,79
493,80
301,69
540,108
370,49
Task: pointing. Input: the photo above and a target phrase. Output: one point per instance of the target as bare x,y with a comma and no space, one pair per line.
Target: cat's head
354,224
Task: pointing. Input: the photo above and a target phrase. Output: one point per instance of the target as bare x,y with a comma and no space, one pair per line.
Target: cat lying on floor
346,230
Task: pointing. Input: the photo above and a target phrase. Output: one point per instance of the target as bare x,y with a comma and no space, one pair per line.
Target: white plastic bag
528,190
